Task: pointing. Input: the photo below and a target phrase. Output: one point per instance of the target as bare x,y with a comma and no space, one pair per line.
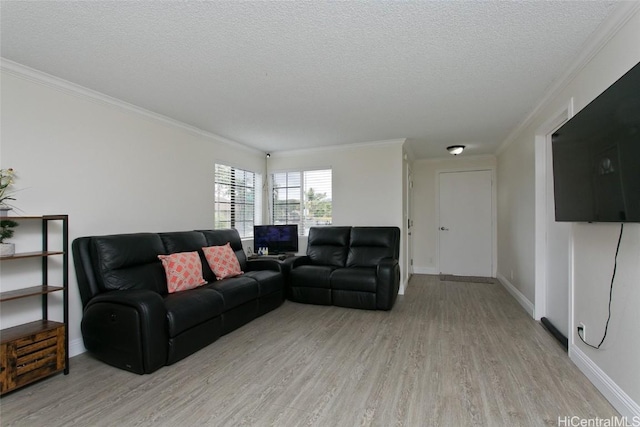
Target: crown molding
338,147
596,42
36,76
450,158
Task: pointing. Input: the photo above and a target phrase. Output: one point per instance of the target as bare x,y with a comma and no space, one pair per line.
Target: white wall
367,182
613,368
594,249
516,216
111,169
425,205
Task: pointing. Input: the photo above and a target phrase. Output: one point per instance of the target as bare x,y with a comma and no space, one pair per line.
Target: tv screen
596,157
279,239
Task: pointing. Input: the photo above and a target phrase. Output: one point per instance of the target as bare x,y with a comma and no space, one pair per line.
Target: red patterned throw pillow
184,271
222,260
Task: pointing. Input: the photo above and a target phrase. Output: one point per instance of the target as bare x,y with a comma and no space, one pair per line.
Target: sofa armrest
388,283
127,329
289,264
295,261
263,264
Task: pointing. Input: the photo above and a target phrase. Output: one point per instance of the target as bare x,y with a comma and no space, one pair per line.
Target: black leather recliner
353,267
130,320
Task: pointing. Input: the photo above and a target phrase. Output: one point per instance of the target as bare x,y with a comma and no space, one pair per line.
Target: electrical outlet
582,330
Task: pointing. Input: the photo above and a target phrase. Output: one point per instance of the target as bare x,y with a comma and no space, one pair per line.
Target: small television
278,239
596,157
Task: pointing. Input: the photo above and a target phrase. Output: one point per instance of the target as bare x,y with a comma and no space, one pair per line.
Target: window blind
235,199
303,198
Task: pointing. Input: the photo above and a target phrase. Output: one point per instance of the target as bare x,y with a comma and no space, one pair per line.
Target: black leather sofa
353,267
131,321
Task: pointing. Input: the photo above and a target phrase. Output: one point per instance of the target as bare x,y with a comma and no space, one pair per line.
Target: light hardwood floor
448,354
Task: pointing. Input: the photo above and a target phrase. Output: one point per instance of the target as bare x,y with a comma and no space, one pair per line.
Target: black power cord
613,276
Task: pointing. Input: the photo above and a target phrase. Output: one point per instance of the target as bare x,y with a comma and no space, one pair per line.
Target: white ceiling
290,75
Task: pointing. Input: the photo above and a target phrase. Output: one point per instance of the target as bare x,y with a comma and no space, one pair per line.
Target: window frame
302,194
243,212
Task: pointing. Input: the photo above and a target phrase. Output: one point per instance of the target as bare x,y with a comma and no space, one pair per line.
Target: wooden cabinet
34,350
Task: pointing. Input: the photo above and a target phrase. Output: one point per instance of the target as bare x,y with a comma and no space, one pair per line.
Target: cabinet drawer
28,358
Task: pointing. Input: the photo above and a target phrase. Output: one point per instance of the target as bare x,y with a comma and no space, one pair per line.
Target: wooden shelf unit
28,292
36,254
35,350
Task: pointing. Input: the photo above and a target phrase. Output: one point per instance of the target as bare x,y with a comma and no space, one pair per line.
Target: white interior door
466,223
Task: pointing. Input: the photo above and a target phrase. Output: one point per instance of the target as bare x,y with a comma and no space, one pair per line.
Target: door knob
444,229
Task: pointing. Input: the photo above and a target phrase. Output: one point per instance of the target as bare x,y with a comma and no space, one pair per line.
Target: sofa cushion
368,245
236,290
222,261
312,276
188,241
354,279
268,281
221,237
190,308
183,270
129,261
182,241
328,245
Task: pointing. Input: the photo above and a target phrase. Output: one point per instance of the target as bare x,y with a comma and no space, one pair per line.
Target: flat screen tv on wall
278,239
596,157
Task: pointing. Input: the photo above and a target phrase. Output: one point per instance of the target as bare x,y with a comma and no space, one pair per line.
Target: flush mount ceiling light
455,149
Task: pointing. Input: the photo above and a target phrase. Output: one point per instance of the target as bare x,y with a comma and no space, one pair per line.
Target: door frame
494,214
544,166
408,223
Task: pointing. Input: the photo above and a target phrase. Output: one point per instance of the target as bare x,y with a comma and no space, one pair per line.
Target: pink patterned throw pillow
184,271
223,261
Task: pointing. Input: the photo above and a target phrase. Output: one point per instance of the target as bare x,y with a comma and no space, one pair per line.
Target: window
235,199
302,197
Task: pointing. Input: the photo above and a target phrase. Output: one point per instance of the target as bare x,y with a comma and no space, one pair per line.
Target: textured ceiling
289,75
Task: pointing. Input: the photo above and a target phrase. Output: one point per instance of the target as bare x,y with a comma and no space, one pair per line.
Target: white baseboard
76,347
605,385
424,270
519,296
